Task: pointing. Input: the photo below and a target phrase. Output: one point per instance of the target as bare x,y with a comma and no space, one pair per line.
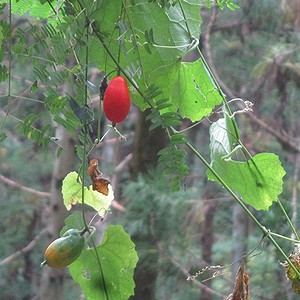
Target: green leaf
178,139
195,93
3,73
223,138
72,194
207,2
3,137
228,3
74,220
35,9
171,161
257,180
59,151
113,278
168,34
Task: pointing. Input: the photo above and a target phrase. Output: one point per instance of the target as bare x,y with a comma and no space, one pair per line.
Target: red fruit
116,100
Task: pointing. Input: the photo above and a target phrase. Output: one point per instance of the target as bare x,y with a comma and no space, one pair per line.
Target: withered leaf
241,285
98,182
290,272
296,286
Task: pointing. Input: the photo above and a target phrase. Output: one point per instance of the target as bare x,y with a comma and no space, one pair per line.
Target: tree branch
23,250
187,274
23,188
283,139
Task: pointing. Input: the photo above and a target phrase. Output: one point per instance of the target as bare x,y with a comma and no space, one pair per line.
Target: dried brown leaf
241,285
98,182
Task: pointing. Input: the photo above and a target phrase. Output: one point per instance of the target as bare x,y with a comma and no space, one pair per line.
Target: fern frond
67,120
54,102
5,28
21,7
3,73
171,161
162,103
165,119
152,92
178,139
40,136
170,119
65,23
3,137
40,72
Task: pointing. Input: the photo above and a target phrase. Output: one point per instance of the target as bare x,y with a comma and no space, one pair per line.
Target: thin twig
283,139
118,206
187,274
23,188
23,250
123,163
113,140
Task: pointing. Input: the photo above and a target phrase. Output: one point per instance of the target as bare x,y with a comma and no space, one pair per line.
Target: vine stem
284,237
264,230
85,127
288,219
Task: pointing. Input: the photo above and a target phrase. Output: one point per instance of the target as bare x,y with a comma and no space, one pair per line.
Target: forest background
253,53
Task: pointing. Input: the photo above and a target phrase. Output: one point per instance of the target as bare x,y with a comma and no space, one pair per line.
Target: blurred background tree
254,53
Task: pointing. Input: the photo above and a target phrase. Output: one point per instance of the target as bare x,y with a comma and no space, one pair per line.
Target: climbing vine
61,41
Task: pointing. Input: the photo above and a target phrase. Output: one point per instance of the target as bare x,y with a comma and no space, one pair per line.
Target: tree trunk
146,146
52,280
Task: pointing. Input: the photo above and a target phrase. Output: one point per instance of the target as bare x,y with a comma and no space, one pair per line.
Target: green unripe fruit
64,250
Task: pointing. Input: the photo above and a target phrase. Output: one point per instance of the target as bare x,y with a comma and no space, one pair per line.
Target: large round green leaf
106,272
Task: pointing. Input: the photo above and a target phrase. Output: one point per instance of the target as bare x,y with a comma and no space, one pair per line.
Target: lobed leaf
194,92
257,180
72,194
110,277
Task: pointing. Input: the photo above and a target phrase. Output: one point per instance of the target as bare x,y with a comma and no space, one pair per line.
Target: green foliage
40,136
158,219
38,9
146,42
257,180
195,93
162,223
171,160
75,221
3,136
3,73
167,43
72,194
165,3
55,42
116,258
228,3
221,3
